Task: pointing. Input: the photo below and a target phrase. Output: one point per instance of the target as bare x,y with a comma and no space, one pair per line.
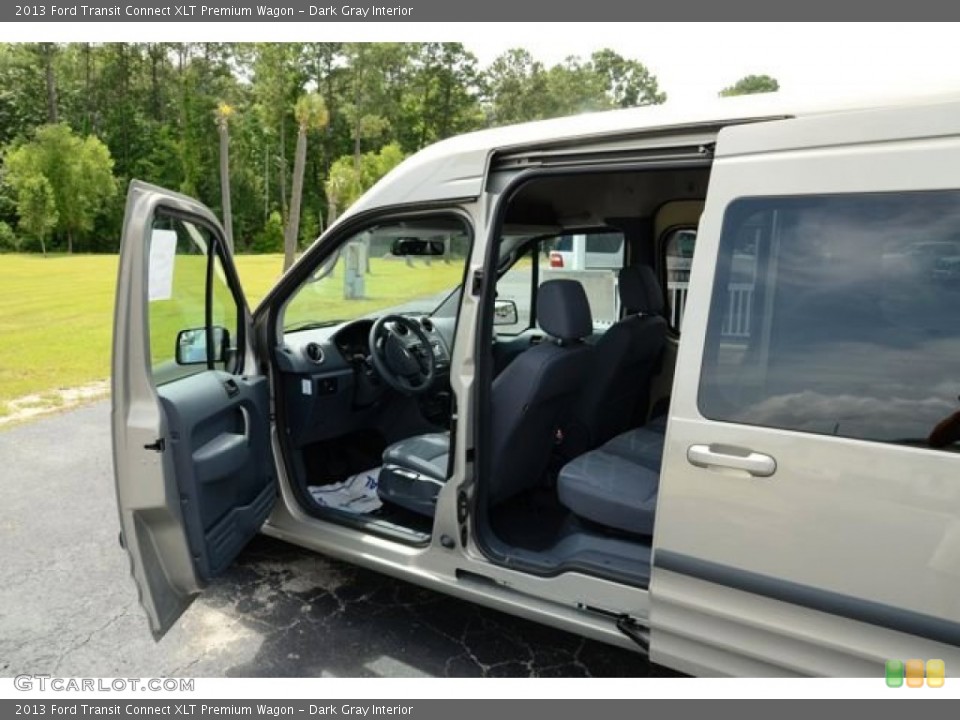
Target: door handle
736,458
230,385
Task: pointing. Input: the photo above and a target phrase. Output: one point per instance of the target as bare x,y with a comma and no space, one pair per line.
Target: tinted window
837,315
605,243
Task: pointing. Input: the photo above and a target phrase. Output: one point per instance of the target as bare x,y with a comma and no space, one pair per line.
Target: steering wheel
404,361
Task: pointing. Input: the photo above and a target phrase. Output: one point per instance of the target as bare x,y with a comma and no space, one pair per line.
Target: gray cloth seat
426,454
530,402
413,472
616,485
627,357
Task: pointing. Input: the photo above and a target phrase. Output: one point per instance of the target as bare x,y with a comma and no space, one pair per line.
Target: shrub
270,239
8,239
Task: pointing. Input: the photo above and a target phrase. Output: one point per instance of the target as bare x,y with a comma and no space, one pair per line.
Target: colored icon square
914,673
936,672
894,673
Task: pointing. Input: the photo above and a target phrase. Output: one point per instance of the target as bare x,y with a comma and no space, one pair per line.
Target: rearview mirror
192,345
505,312
405,247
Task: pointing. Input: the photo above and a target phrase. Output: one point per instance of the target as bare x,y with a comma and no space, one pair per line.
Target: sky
692,61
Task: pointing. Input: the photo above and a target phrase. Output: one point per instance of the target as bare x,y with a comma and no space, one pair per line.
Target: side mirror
415,247
505,312
192,345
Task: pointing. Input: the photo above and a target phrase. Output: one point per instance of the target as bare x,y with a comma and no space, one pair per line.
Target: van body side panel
849,552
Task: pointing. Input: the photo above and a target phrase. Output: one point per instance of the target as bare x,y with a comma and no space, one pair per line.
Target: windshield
408,266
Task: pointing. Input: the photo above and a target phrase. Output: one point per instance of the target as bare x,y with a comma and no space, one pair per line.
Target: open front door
190,417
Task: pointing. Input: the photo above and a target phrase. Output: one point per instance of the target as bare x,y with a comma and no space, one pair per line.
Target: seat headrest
640,291
563,310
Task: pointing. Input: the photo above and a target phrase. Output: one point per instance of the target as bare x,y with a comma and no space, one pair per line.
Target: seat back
532,398
626,359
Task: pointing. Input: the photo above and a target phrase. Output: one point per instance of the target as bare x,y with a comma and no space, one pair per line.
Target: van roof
456,167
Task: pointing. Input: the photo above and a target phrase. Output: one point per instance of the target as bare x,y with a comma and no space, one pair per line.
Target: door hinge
477,285
159,446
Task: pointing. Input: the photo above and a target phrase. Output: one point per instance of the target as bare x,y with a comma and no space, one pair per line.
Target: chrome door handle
736,458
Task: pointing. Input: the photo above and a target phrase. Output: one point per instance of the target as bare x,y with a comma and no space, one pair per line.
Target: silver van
771,489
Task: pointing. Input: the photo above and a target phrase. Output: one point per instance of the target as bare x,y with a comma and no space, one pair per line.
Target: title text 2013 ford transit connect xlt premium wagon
753,469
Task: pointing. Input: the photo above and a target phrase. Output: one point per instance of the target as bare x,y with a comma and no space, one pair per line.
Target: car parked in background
587,251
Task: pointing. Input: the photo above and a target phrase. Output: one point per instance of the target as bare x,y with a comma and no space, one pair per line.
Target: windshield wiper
311,325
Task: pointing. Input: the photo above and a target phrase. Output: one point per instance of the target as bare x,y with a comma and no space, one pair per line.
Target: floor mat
533,520
357,494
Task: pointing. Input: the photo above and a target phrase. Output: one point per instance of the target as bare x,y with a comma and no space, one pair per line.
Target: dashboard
328,382
340,346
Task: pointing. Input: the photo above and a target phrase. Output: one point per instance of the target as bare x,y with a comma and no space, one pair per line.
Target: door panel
190,431
218,428
815,340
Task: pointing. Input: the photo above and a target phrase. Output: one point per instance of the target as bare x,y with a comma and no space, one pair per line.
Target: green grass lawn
56,313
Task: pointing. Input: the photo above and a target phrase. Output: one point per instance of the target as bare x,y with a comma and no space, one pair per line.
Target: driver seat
530,400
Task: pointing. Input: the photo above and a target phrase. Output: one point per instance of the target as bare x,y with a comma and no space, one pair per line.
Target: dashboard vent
427,324
313,352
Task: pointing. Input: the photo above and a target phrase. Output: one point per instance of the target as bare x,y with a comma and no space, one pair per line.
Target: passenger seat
626,360
616,485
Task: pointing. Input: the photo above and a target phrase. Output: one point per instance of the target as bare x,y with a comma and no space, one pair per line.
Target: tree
152,105
311,114
628,83
224,111
442,97
750,85
519,88
47,52
37,209
515,85
342,187
345,184
277,81
376,79
79,172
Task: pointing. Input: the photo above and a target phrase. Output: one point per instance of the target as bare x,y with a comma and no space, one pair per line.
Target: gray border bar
313,11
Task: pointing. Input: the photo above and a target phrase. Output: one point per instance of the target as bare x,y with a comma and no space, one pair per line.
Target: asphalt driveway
68,606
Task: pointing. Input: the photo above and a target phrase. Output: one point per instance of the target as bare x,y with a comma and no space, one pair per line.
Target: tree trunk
357,127
69,242
283,170
331,211
225,183
87,90
48,53
293,222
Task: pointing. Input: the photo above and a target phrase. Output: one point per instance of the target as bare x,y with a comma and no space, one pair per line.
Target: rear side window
838,315
678,255
610,243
